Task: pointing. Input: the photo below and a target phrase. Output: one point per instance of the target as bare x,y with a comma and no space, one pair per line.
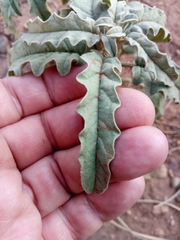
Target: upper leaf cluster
112,27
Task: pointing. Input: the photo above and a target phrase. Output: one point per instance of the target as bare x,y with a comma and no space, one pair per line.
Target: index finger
28,94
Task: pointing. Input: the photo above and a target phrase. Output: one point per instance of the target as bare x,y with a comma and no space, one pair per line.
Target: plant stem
128,64
126,79
157,201
174,196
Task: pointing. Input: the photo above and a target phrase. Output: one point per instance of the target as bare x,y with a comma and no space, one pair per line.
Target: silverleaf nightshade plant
98,33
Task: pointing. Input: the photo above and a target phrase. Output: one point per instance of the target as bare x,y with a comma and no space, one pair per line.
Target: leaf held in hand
100,130
98,33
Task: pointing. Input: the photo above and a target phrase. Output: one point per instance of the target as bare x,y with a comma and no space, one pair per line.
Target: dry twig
126,228
173,197
158,202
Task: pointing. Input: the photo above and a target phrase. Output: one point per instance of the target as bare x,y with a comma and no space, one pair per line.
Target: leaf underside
98,32
100,132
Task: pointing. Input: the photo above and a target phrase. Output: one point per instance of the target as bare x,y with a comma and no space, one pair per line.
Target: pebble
163,171
129,212
175,181
160,210
159,232
172,221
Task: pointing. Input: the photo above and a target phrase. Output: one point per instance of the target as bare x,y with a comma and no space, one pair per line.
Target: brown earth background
144,217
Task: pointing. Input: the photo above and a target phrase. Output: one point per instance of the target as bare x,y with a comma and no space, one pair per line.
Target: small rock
129,212
175,181
160,210
172,221
159,232
163,171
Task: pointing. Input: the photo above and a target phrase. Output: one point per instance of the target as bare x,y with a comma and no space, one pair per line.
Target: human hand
40,191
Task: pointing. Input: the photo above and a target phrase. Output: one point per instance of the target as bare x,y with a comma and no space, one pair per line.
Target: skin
40,191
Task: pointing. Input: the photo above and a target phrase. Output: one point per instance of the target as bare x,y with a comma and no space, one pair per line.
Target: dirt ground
144,218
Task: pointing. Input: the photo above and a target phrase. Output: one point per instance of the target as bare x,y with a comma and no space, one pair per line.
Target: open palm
40,191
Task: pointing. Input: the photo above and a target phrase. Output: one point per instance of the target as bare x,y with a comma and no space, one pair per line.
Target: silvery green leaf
38,8
104,22
64,33
65,12
112,8
94,9
164,94
89,9
129,18
154,14
57,23
109,45
39,61
16,7
171,93
146,77
149,57
154,31
22,53
61,38
147,13
115,32
177,81
159,101
120,11
100,132
128,21
136,8
156,90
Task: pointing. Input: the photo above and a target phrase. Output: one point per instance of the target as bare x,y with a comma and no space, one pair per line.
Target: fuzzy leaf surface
100,132
57,23
16,7
154,14
70,34
149,57
154,31
115,32
95,9
38,62
58,34
58,29
151,87
147,13
34,55
154,70
38,8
